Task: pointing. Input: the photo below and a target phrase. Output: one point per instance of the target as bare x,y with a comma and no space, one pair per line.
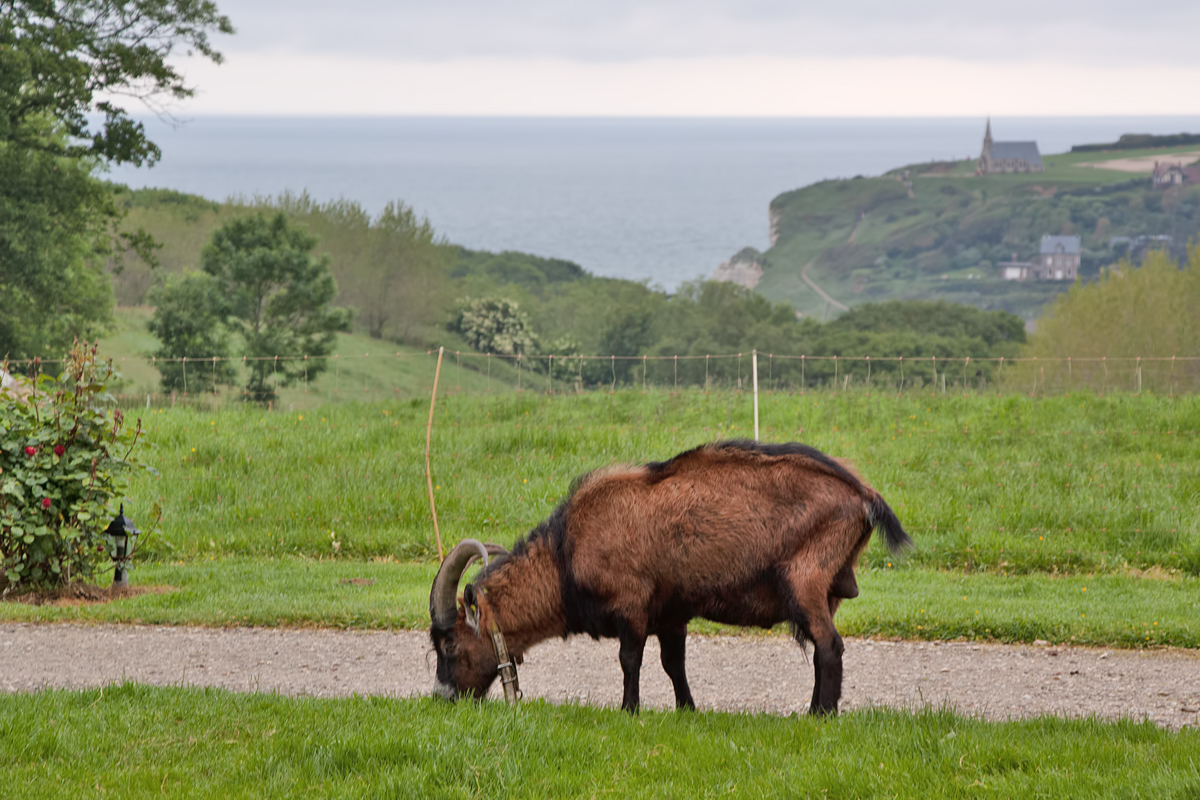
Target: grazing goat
736,532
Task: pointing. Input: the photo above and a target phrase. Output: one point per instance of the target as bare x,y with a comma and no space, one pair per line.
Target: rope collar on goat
507,666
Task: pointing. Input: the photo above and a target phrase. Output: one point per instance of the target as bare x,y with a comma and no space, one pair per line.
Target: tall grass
1006,484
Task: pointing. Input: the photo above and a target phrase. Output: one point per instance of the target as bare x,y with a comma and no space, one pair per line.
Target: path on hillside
812,284
749,673
824,295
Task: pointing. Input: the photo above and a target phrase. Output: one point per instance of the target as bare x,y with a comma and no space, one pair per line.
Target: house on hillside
1166,175
1004,157
1017,270
1058,259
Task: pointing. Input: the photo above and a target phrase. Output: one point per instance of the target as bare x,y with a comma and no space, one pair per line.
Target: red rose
59,450
45,502
31,451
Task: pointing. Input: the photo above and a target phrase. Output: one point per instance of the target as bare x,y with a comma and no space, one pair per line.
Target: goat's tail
880,514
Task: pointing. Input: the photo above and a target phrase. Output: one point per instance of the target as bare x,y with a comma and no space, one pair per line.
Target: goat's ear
471,607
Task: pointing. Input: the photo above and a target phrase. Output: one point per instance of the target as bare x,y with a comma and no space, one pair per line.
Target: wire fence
379,375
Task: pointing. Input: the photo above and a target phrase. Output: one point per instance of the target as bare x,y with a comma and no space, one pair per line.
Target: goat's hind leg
673,646
812,615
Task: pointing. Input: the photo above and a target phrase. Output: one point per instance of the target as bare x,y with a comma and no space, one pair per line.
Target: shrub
64,463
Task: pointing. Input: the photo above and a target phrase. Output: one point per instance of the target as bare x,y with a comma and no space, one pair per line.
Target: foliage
1140,141
61,64
391,269
935,318
180,224
278,298
54,221
532,273
189,321
64,461
495,325
65,60
1131,312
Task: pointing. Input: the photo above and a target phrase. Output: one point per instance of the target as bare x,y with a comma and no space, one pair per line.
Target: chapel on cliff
1001,157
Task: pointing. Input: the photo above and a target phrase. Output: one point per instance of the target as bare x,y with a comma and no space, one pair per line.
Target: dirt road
730,673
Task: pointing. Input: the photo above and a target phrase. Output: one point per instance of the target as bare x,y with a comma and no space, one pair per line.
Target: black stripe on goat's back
792,449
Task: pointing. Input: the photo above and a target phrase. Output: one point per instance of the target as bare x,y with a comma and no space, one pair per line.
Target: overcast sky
704,57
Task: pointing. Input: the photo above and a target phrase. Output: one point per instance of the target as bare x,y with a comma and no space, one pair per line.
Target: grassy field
1069,518
1005,484
361,370
139,741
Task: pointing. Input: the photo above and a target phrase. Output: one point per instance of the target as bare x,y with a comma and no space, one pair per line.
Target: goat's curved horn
493,550
443,598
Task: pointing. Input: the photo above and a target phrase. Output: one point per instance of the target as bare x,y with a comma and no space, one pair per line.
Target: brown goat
736,532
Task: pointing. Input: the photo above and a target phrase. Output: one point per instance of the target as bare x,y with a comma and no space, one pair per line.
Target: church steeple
985,156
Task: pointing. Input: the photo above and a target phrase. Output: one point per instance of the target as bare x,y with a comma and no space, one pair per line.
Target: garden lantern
122,536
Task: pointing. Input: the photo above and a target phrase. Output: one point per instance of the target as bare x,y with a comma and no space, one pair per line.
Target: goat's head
466,658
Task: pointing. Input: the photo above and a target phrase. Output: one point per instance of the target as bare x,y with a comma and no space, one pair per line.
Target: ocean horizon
663,200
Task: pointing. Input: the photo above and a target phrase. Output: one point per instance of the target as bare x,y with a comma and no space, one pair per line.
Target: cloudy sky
704,57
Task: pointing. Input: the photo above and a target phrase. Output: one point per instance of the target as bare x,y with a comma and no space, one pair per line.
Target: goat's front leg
632,647
673,644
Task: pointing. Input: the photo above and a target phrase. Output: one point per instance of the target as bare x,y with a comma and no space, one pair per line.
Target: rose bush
65,462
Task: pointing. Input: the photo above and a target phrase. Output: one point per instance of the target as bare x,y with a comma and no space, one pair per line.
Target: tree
61,64
57,56
495,325
278,298
1130,313
392,269
189,322
630,332
54,218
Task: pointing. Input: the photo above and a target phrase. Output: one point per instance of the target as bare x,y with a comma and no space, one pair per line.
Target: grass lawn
1119,610
1007,484
139,741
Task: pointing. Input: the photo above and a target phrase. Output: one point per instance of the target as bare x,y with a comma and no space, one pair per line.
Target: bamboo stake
428,440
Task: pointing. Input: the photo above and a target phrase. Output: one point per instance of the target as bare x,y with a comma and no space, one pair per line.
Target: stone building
1166,175
1058,258
1002,157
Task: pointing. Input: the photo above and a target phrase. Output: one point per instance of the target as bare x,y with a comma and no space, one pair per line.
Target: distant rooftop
1009,150
1060,244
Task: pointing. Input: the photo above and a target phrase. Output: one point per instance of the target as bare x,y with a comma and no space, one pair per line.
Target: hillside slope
937,231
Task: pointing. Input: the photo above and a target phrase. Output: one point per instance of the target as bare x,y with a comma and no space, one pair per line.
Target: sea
656,200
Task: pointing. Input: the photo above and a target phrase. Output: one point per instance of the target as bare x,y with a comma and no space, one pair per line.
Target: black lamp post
122,535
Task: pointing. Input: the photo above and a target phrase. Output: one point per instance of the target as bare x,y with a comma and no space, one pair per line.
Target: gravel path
730,673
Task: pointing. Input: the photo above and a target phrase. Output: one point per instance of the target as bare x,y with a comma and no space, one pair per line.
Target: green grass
896,602
139,741
1068,518
1007,484
362,369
